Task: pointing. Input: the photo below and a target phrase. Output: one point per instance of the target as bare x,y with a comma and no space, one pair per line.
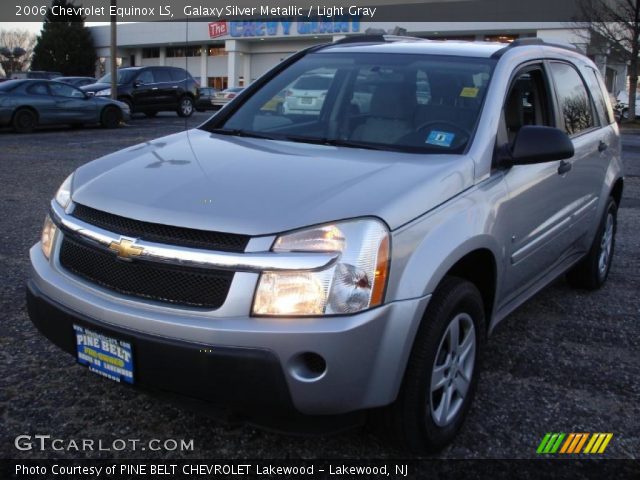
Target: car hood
197,179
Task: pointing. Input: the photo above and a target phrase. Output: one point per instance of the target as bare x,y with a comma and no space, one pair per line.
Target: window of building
219,83
150,53
500,38
573,98
216,51
185,51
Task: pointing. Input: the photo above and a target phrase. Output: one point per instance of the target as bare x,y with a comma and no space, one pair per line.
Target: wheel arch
616,191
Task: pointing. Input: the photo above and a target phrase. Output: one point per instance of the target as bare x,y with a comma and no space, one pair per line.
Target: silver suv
319,264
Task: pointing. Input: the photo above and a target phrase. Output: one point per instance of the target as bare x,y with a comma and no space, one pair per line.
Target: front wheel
110,117
441,375
185,107
593,270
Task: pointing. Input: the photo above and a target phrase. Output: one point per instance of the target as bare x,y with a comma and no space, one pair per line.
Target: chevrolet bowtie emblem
126,249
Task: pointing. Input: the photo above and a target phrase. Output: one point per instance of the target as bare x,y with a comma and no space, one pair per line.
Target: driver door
538,209
71,104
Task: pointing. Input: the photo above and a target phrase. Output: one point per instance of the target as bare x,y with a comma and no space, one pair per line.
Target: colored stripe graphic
572,443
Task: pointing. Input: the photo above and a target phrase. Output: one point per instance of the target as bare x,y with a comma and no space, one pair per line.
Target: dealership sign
218,29
285,28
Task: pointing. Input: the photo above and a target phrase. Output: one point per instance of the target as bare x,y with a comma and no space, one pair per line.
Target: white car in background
623,101
307,95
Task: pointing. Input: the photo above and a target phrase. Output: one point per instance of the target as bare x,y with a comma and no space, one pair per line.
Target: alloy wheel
452,370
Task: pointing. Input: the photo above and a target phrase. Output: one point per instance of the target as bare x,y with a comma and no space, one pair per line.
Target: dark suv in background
152,89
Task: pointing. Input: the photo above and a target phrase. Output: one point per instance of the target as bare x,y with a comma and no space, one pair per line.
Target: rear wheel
625,114
593,270
441,375
24,121
110,117
185,107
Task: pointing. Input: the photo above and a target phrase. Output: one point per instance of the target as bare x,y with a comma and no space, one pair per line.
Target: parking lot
567,361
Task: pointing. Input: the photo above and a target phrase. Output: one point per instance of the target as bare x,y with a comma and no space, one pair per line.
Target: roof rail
375,38
528,41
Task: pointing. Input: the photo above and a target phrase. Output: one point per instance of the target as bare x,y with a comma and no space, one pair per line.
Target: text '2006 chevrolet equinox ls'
350,256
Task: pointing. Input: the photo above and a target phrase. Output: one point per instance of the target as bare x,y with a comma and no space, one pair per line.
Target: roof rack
528,41
376,38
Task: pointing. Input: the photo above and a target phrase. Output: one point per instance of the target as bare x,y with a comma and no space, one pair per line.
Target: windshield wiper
237,132
337,142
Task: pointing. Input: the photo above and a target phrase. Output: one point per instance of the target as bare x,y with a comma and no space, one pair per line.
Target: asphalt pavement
566,361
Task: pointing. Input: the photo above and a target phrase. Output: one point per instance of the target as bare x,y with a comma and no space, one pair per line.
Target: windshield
124,76
406,102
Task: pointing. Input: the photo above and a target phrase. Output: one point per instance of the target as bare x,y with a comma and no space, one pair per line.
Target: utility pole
114,53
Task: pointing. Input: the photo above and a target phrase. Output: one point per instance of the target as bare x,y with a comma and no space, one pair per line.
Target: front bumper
236,361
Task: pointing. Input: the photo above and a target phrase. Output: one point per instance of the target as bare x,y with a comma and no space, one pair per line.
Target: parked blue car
27,104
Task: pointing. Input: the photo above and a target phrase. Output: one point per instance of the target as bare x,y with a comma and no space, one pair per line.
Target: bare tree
618,23
13,41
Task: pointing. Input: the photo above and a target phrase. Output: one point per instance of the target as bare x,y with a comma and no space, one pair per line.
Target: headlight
354,283
48,233
104,93
63,195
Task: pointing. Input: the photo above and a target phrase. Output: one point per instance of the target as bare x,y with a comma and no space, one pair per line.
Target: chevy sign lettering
270,29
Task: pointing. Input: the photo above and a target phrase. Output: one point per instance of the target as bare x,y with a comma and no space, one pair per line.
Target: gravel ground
566,361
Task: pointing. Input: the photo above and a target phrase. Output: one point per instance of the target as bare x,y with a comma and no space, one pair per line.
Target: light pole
114,42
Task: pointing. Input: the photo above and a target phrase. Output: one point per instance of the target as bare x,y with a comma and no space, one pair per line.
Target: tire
592,271
150,113
110,117
624,115
129,104
185,107
419,421
24,121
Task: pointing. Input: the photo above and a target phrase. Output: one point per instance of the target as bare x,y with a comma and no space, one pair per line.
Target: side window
527,102
600,96
177,74
38,89
573,98
145,77
63,90
161,75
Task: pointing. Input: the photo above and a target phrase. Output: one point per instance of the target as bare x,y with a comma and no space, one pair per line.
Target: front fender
426,249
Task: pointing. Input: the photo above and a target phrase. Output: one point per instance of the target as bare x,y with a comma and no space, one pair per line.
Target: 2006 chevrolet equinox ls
349,256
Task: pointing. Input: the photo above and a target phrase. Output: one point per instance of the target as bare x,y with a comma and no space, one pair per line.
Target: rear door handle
564,167
602,146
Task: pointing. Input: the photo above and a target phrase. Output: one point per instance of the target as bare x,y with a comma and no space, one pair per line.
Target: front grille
165,283
156,232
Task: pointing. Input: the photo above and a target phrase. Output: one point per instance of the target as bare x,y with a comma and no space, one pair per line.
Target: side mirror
537,144
137,83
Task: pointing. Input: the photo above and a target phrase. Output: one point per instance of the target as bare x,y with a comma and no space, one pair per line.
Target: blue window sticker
441,139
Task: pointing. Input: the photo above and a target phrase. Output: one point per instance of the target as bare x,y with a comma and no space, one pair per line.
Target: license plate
306,100
104,355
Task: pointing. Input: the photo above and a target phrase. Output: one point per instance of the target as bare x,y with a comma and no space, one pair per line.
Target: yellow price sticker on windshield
469,92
